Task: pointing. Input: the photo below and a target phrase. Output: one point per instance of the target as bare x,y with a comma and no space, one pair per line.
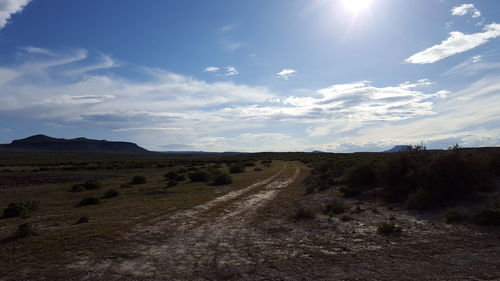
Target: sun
355,6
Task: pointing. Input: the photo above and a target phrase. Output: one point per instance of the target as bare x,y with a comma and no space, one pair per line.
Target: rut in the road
202,241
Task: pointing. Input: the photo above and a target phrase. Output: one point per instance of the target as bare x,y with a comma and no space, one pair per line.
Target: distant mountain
399,148
46,143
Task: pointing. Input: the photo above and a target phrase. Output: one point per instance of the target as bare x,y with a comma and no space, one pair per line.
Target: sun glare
355,6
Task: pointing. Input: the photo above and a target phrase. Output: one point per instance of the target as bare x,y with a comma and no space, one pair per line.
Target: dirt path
199,243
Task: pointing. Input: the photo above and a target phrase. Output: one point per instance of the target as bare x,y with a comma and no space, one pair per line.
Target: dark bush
360,176
171,183
111,193
124,185
249,164
334,208
488,217
24,230
82,220
171,175
420,200
138,180
236,168
348,191
20,209
425,180
89,185
386,228
258,169
454,216
180,178
88,201
199,176
301,213
223,179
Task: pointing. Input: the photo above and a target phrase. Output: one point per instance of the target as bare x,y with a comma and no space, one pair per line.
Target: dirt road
199,243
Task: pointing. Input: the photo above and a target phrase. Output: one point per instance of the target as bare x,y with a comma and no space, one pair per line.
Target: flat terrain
243,231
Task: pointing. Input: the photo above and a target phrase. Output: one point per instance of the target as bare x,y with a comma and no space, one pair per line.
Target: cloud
230,71
232,45
455,44
211,69
286,73
472,66
228,28
466,9
10,7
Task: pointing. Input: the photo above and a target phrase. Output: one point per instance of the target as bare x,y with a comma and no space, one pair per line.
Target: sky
260,75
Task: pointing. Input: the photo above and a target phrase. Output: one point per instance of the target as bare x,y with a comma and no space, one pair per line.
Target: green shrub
23,231
223,179
360,176
20,209
124,185
249,164
171,183
348,191
334,208
454,216
199,176
111,193
386,228
236,168
90,185
88,201
488,217
258,169
138,180
77,188
180,178
171,175
420,200
301,213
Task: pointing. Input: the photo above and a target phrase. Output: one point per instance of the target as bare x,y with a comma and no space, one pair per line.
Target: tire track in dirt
203,241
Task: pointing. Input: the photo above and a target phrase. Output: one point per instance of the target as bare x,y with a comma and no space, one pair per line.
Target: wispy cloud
465,9
211,69
10,7
228,27
455,44
474,65
232,45
231,70
286,73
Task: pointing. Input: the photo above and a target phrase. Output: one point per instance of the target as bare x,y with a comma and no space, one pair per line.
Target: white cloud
231,70
473,65
228,27
465,9
455,44
232,45
10,7
211,69
286,73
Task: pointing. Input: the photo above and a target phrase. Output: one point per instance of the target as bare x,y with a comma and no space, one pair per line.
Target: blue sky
281,75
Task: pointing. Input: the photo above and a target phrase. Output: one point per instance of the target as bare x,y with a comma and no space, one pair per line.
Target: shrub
334,208
171,183
488,217
301,213
91,185
111,193
420,200
20,209
82,220
249,164
258,169
386,228
180,178
138,180
171,175
88,201
76,188
454,216
124,185
223,179
199,176
348,191
24,230
236,168
360,176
